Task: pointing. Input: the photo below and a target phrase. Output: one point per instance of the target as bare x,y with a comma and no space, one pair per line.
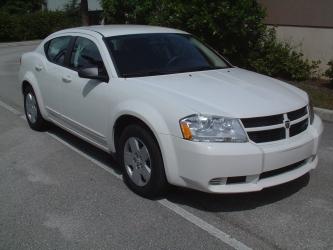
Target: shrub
231,27
329,71
21,6
8,28
234,28
34,26
280,59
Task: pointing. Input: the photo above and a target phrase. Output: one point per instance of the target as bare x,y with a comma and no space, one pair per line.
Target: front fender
141,110
157,124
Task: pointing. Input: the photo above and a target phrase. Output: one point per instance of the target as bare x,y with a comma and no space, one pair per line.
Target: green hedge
32,26
280,59
234,27
329,71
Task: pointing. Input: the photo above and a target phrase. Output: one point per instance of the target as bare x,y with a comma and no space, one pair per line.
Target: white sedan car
172,109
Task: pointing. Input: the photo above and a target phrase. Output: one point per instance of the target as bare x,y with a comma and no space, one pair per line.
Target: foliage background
32,26
234,27
329,71
25,20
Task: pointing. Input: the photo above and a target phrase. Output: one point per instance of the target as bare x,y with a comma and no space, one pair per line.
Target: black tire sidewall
157,183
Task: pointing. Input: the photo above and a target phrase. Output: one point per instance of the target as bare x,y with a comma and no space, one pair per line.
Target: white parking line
210,229
9,108
98,163
224,237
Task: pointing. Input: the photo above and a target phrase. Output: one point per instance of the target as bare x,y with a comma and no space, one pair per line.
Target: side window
56,49
85,54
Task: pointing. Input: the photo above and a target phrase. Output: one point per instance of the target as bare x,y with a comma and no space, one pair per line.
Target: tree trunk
84,12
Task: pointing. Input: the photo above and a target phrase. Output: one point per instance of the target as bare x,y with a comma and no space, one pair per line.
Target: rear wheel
32,112
142,163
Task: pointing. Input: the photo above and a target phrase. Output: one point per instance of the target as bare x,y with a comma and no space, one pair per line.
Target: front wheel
142,163
32,112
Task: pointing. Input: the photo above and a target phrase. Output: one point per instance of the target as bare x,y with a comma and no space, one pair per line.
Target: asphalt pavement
58,192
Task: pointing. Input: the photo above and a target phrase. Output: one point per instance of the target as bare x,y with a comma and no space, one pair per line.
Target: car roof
123,29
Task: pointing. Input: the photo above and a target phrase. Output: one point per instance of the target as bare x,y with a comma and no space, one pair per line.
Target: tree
129,11
233,27
21,6
72,6
84,12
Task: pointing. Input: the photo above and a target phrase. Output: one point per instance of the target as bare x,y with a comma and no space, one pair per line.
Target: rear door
50,74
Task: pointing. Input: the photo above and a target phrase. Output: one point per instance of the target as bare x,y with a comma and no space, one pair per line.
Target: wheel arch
29,80
140,112
136,111
125,120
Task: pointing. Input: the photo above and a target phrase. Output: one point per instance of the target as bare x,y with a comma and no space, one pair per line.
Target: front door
86,101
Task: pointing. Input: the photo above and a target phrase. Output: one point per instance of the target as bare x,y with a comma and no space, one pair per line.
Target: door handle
66,79
38,67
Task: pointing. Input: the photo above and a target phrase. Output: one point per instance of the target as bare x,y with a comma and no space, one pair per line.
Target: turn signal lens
186,131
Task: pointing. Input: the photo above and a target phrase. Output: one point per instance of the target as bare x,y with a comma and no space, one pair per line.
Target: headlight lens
311,112
212,129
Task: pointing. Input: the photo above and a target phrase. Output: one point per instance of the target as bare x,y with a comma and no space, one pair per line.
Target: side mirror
94,73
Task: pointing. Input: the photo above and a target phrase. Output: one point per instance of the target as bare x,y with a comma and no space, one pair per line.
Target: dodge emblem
287,124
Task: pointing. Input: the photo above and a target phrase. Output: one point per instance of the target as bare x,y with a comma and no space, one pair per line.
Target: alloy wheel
137,161
31,107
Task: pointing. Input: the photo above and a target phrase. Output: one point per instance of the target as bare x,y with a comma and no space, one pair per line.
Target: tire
32,111
134,144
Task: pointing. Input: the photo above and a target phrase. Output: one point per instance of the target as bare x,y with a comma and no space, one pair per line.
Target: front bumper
209,166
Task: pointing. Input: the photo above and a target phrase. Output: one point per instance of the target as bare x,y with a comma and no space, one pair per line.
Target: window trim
113,60
70,49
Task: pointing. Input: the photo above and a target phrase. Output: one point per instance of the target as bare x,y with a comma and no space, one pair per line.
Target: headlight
212,129
311,112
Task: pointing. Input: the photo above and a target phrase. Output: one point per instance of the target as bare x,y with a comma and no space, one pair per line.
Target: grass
321,93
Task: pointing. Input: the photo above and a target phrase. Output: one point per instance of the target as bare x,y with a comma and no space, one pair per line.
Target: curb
324,114
23,43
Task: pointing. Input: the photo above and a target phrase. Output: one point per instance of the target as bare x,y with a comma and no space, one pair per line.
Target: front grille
262,121
298,127
294,115
282,170
277,127
236,180
267,135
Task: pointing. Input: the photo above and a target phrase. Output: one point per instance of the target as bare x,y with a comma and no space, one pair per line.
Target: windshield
156,54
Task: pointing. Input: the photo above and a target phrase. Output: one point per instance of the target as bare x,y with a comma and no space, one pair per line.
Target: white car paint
91,110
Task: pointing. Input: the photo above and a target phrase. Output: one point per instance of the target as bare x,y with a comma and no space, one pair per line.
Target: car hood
230,92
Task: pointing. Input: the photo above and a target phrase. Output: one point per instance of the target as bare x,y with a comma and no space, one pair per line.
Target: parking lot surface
58,192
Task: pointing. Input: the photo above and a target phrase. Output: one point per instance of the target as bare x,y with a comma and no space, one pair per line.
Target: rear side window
56,49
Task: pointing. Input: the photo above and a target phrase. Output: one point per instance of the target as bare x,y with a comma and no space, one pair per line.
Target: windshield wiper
164,72
202,68
146,73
